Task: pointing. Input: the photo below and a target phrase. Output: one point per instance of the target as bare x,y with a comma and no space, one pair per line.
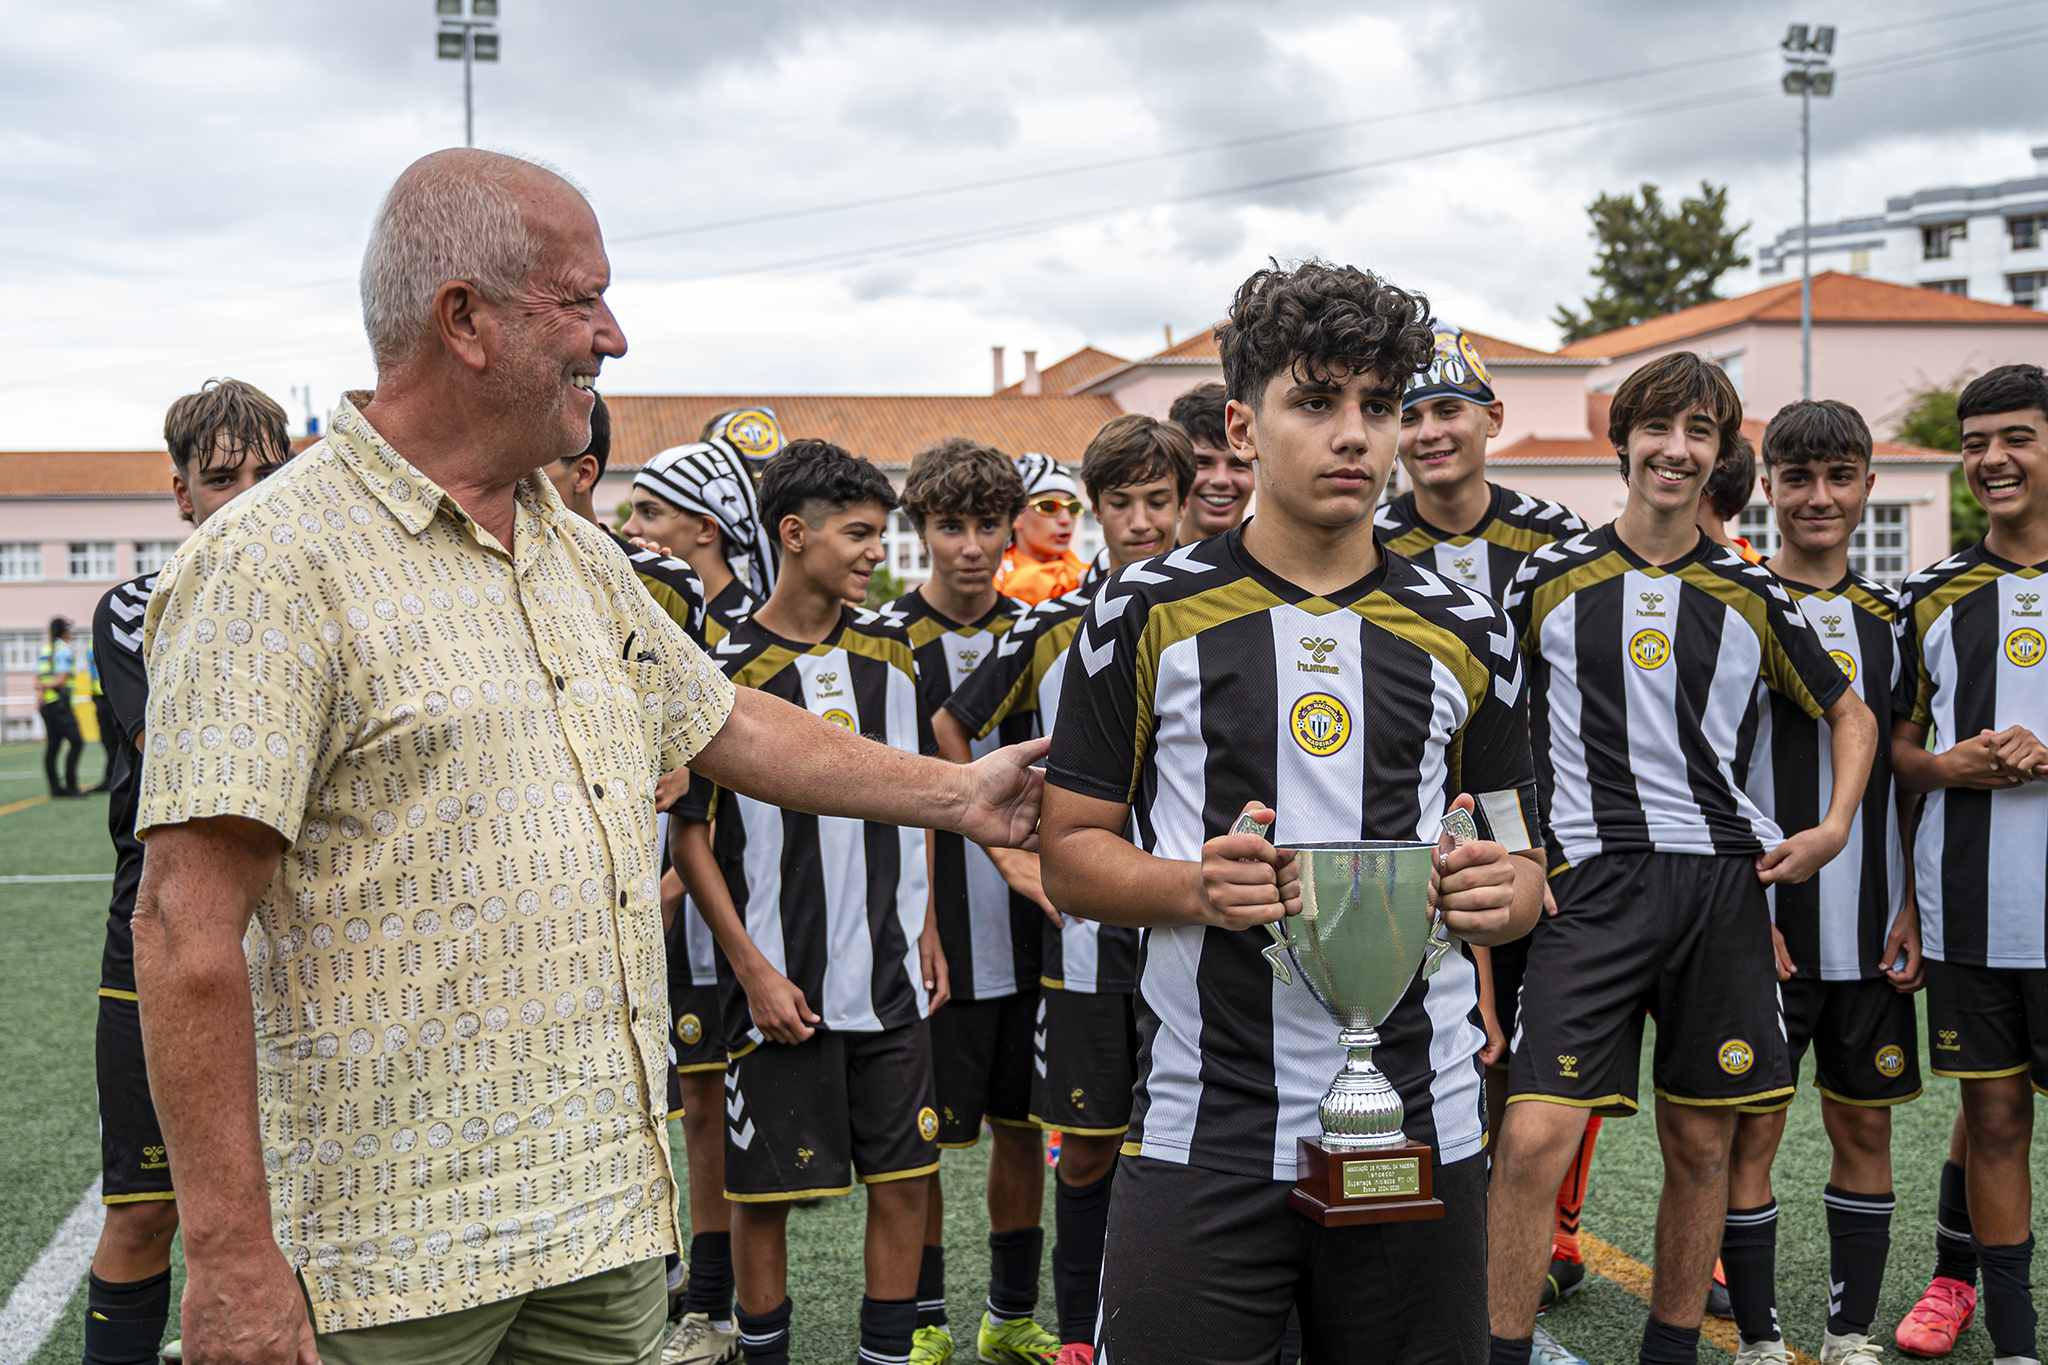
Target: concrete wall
1540,401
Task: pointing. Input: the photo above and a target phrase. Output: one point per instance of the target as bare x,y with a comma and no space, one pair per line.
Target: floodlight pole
469,101
1805,234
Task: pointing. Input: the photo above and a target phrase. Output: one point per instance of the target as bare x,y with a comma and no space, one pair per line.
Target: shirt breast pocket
641,691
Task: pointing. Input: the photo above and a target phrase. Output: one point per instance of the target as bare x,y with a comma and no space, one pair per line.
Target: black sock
124,1323
1955,1255
886,1326
764,1337
710,1288
2009,1298
1749,1255
931,1288
1509,1351
1859,1239
1664,1344
1013,1261
1081,1223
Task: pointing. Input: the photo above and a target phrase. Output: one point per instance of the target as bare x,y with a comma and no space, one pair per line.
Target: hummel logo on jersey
1651,601
2026,602
1834,625
1567,1065
1463,566
968,658
1321,650
1945,1041
828,685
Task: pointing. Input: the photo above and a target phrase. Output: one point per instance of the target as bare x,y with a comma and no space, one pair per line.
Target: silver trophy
1366,925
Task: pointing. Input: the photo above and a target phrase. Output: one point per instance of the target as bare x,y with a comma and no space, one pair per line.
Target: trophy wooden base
1383,1185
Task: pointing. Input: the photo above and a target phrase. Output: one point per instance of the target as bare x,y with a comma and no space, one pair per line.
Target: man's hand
778,1005
1243,880
1787,969
245,1307
931,964
1002,796
1904,941
1549,900
1020,871
644,543
1978,763
669,787
1800,856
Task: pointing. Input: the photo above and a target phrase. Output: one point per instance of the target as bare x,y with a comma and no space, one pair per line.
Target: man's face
556,331
838,553
966,547
1443,441
661,521
1222,490
2005,467
1139,519
1321,449
227,472
1669,459
1818,503
1046,524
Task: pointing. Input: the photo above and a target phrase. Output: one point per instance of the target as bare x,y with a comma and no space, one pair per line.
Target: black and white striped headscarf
1044,474
711,479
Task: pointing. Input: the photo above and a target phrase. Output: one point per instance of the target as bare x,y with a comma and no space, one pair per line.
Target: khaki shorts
615,1317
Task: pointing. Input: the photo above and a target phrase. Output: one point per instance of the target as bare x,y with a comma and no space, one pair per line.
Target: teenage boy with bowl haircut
1646,644
1138,472
821,922
1187,710
1223,483
961,497
1847,939
1975,638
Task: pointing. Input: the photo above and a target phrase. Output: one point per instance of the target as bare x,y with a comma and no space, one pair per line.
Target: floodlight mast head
1795,36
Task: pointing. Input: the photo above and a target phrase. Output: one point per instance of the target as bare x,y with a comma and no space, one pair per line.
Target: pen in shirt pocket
627,652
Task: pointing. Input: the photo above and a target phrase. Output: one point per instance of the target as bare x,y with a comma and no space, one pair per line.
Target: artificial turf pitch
49,1145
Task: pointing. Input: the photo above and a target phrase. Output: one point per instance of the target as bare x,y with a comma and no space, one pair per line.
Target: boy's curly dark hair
814,479
1320,320
962,477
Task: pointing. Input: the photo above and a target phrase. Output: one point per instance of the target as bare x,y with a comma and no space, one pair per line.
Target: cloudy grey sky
187,183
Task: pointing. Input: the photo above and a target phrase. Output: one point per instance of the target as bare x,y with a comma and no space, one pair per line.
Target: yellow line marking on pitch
1612,1263
14,806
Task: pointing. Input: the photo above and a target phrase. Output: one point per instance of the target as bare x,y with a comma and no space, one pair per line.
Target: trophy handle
1275,954
1462,829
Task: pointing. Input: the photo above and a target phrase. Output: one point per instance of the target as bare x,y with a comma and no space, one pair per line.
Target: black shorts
1085,1059
981,1059
1240,1257
1865,1038
808,1119
132,1162
1686,937
1510,961
1987,1021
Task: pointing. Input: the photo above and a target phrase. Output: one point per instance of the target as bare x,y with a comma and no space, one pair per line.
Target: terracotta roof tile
887,430
1064,376
1199,348
85,474
1837,298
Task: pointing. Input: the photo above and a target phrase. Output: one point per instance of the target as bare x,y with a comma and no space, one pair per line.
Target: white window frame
152,555
92,561
18,650
21,561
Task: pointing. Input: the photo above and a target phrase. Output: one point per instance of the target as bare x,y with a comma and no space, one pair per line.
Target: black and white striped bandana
711,479
1044,474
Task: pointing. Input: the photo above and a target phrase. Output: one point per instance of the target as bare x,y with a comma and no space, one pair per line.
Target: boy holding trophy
1295,675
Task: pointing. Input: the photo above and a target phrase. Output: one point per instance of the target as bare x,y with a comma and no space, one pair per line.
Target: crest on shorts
927,1123
690,1029
2025,646
1891,1060
1649,648
1320,724
1845,662
1737,1056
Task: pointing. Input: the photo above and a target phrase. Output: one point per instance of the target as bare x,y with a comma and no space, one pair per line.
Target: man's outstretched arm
785,756
201,883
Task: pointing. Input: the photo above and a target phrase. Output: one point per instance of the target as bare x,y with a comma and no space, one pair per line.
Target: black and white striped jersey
989,933
1836,921
672,584
1201,681
1487,556
117,650
834,904
698,956
1976,638
1643,693
1022,683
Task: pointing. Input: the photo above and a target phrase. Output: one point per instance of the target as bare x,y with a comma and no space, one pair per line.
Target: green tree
884,587
1929,419
1652,260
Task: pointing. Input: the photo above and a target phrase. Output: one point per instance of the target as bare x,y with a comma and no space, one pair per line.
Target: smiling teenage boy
1223,483
1976,631
961,497
1848,939
1296,671
1138,472
820,923
1646,643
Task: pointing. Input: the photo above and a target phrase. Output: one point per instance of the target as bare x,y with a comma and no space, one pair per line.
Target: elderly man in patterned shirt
406,716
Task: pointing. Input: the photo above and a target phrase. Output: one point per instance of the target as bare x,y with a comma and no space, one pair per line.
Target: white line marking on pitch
40,1296
57,877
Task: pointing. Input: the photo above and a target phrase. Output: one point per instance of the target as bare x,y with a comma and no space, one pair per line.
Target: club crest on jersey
2025,646
690,1029
1649,648
1320,723
1891,1060
927,1123
839,718
1845,662
1320,651
1737,1057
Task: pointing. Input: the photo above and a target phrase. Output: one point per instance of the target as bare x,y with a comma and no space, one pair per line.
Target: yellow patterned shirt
458,976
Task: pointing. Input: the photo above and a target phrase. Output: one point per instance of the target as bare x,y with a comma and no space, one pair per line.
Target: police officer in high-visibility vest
103,712
54,668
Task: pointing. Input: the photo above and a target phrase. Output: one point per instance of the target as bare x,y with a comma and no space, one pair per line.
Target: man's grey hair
453,215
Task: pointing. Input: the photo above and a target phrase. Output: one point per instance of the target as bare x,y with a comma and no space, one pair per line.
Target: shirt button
598,791
622,900
636,1014
558,680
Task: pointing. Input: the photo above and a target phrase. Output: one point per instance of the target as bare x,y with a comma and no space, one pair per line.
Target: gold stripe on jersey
1415,542
767,664
928,628
895,653
1755,608
672,603
1046,647
1184,619
1883,608
1545,597
1935,605
1444,646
